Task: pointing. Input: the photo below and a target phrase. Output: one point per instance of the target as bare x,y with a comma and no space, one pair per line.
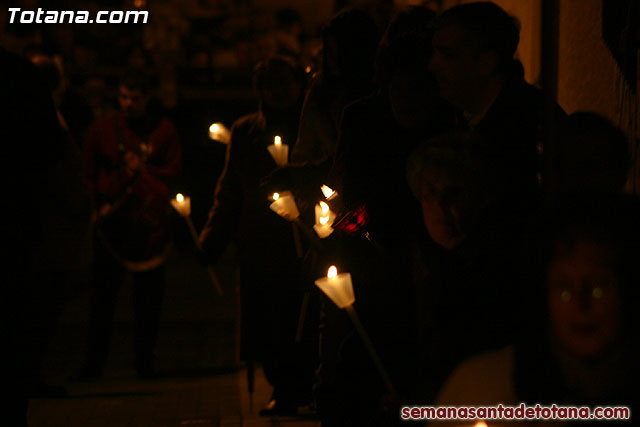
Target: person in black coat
270,286
376,136
473,61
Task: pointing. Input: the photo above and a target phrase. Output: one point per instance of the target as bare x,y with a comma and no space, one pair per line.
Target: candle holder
219,132
339,289
182,204
284,204
324,220
279,151
328,192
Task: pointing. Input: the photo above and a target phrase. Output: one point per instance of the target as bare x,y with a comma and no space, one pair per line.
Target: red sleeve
166,144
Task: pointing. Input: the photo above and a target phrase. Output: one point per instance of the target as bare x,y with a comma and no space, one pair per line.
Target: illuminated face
445,207
584,299
455,64
133,103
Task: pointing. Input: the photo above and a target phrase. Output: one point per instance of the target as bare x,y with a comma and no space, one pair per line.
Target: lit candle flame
214,128
332,272
324,207
324,220
277,140
481,424
179,197
276,196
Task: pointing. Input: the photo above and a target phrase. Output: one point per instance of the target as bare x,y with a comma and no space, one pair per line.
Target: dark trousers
147,296
271,303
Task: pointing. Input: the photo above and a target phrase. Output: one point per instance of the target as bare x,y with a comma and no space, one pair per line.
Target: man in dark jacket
473,61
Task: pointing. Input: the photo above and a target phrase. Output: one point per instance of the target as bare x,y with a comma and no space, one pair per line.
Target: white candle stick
324,220
284,204
182,204
279,151
339,288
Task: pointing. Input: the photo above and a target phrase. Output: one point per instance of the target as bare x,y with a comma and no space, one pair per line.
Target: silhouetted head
279,82
350,41
590,154
402,66
472,43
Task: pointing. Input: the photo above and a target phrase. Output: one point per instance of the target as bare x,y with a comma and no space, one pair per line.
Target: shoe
277,408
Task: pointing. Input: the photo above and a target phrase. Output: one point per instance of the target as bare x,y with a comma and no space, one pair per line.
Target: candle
284,205
279,151
219,132
338,287
324,220
328,192
182,205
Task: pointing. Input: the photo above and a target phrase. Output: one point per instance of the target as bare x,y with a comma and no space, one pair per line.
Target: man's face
132,102
456,64
584,299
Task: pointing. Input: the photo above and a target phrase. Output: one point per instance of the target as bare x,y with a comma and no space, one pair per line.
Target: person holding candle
270,286
376,135
129,160
349,46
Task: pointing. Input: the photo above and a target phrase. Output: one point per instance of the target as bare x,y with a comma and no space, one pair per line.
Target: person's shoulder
371,106
166,125
247,122
483,379
533,98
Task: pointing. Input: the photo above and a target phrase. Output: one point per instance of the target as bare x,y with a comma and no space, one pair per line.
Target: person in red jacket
129,159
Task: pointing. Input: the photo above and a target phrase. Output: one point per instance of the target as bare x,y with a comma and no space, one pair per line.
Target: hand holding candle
279,151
